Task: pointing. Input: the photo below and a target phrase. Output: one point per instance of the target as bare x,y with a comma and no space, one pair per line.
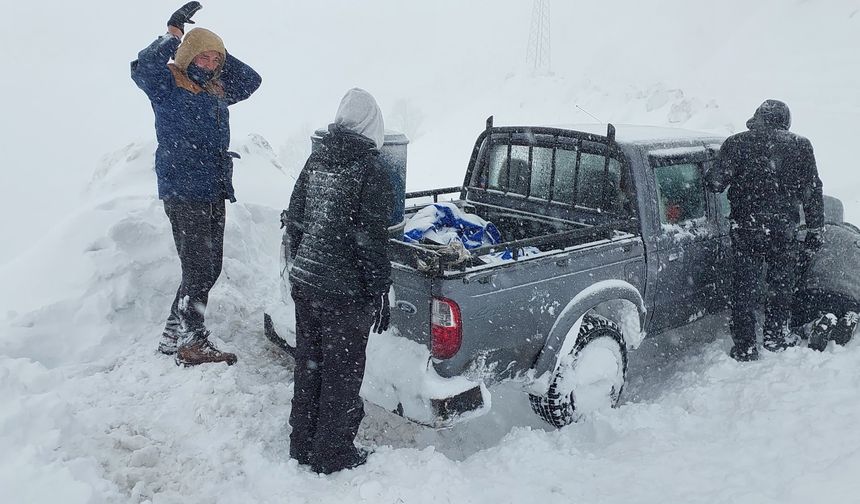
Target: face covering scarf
199,75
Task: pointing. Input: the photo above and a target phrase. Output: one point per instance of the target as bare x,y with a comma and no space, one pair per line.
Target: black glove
183,15
381,314
814,239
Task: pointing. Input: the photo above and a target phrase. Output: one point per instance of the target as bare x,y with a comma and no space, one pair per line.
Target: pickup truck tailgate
411,302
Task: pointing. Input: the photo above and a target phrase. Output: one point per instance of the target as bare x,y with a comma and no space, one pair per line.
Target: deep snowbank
94,296
92,414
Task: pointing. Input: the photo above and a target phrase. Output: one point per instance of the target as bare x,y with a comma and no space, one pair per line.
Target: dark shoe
356,459
845,327
199,350
821,331
301,458
744,353
780,343
360,459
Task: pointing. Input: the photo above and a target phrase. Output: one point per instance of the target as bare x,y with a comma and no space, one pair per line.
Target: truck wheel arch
603,297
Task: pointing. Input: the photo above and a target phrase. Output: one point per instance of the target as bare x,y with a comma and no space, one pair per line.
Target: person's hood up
359,113
772,114
197,41
345,143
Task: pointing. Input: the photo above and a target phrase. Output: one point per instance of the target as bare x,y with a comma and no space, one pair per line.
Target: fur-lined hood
196,41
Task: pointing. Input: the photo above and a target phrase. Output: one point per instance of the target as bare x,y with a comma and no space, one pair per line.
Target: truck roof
638,134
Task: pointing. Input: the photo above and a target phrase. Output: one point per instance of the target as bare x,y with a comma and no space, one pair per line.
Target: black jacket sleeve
296,212
719,177
811,190
371,236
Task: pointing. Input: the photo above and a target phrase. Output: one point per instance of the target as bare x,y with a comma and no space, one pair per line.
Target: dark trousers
331,339
756,251
198,232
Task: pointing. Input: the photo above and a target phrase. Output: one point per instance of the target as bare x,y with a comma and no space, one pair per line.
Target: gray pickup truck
623,240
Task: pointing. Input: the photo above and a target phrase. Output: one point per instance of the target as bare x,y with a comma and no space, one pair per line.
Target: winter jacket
192,123
337,221
769,172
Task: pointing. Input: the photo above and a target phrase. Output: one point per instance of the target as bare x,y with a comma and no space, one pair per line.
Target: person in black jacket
770,174
337,224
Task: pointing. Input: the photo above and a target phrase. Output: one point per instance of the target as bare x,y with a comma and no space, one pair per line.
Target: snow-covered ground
91,414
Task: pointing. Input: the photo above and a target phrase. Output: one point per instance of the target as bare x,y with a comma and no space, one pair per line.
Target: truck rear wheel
589,378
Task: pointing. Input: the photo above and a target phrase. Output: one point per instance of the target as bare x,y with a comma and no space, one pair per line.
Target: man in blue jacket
190,97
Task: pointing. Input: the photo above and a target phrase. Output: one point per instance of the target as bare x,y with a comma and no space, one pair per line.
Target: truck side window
680,193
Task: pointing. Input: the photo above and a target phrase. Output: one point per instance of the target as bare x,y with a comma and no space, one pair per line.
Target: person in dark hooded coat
770,174
193,166
337,224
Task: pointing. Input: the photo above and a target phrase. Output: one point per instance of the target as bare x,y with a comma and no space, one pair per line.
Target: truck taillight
446,328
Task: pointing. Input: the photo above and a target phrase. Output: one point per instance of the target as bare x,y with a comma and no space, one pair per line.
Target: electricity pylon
539,55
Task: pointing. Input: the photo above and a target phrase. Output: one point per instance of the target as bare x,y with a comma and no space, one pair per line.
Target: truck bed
518,229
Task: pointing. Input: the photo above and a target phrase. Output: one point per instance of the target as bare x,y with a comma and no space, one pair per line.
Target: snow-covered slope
91,414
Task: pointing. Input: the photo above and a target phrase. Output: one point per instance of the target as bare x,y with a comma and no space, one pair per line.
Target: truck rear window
568,176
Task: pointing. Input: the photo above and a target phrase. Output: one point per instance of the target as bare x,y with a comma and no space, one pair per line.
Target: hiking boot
744,353
821,330
170,336
844,330
199,350
168,344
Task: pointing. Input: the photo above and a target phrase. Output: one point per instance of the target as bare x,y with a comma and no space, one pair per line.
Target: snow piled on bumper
399,376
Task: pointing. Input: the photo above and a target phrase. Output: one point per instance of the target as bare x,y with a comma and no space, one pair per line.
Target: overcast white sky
68,99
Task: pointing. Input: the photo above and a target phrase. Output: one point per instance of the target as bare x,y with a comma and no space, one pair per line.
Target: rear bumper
399,377
450,409
433,410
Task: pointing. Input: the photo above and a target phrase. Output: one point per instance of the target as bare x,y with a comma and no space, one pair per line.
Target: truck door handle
562,262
